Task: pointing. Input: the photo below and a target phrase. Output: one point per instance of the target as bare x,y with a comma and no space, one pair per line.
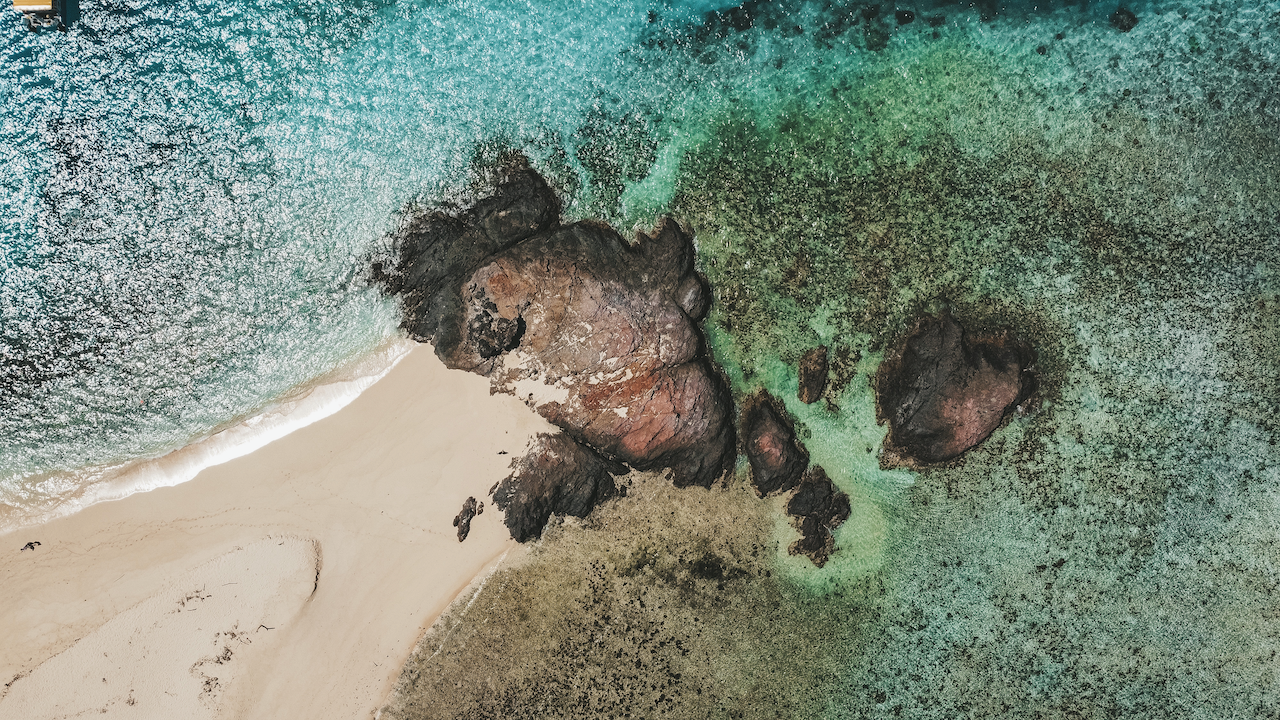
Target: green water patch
841,435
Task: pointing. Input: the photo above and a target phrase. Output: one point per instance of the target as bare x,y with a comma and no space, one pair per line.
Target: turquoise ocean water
194,191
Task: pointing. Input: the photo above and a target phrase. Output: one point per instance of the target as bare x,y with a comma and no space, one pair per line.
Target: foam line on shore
303,406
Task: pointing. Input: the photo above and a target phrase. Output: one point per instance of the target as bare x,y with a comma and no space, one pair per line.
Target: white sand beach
290,582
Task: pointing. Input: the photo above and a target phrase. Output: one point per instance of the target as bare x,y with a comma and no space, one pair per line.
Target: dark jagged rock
943,392
1123,19
813,374
777,459
437,249
558,476
462,521
904,16
818,507
599,336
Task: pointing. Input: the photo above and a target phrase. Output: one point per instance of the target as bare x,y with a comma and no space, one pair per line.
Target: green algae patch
664,603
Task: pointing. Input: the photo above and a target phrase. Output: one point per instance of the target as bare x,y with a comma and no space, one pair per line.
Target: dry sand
289,583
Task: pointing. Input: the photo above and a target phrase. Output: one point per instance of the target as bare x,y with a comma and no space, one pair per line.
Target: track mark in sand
178,653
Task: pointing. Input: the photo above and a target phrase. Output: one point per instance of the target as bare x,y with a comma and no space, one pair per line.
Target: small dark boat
39,13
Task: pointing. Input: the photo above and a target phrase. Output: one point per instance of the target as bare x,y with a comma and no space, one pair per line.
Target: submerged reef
944,391
599,336
653,606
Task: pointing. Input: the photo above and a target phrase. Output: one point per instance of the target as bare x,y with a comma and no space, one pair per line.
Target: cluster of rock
942,392
599,336
602,338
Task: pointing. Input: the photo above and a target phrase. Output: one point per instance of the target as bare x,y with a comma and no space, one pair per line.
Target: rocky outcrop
438,249
462,521
557,476
777,459
778,463
818,507
943,392
598,335
813,375
1123,19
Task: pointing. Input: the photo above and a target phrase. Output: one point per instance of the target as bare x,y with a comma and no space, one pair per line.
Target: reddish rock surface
777,459
601,338
944,392
598,335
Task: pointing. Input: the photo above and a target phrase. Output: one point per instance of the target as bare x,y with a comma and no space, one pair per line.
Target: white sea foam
69,492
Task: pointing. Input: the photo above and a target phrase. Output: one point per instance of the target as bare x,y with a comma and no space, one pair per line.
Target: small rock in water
813,374
462,520
818,507
1123,19
943,392
777,459
904,16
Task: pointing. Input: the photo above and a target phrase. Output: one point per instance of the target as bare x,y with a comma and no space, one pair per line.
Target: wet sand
291,582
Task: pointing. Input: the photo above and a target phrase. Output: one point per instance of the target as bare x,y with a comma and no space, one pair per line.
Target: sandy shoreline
317,561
